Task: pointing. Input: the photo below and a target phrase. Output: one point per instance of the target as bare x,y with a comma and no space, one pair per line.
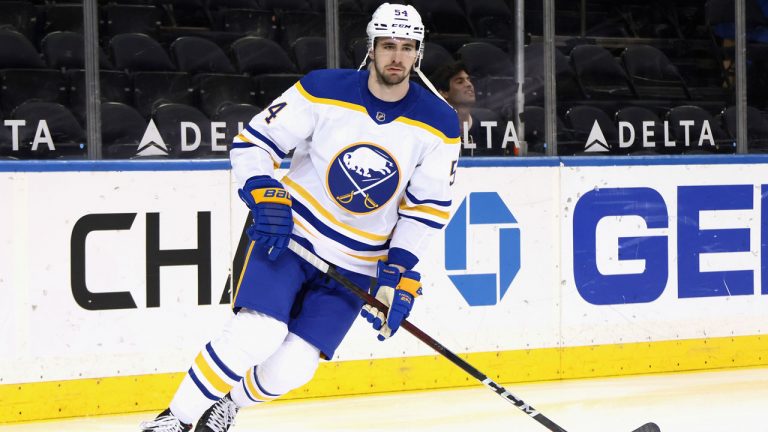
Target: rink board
112,276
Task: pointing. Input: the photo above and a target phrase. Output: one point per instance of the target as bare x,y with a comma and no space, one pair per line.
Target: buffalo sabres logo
363,177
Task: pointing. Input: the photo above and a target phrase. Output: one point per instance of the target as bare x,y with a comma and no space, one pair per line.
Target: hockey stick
437,346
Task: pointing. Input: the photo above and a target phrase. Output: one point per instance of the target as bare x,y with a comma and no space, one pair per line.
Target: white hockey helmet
396,20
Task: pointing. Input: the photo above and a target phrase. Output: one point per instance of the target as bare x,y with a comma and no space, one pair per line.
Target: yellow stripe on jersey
319,209
426,209
326,101
211,376
429,129
360,257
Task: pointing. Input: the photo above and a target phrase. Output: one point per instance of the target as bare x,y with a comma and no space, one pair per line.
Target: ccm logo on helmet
405,26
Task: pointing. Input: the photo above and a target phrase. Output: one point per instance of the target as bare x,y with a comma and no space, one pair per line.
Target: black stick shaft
419,334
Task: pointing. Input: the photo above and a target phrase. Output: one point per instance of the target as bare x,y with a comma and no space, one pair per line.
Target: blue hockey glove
397,290
270,207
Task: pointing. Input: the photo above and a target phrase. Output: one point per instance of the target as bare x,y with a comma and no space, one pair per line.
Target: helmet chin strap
430,86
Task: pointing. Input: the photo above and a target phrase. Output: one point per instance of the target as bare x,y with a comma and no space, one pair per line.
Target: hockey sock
290,367
222,362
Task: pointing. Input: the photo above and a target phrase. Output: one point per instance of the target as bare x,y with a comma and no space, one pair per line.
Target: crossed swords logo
368,202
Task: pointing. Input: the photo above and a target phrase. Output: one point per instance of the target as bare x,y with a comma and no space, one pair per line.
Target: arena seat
21,85
253,22
696,114
151,89
270,86
20,16
233,115
652,74
114,86
198,55
636,116
483,59
581,120
131,18
139,52
122,128
599,74
757,127
16,51
66,50
66,133
168,118
215,90
255,55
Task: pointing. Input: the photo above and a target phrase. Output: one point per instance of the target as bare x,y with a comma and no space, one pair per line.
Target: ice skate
219,417
165,422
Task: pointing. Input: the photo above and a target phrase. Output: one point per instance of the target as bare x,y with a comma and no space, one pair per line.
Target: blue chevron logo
482,208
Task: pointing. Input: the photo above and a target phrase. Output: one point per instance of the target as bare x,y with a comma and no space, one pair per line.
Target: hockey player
369,184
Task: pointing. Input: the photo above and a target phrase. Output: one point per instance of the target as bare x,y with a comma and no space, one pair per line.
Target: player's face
393,59
461,91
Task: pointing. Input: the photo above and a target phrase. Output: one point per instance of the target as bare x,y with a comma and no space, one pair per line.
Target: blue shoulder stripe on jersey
332,234
433,111
426,222
242,145
415,200
281,154
337,84
201,386
233,376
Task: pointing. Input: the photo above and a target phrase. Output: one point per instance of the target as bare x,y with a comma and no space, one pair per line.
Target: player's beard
390,80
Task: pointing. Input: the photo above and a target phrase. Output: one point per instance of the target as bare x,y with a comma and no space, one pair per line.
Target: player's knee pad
290,367
249,338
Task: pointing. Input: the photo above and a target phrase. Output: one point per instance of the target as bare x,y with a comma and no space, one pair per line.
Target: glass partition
199,70
756,72
41,63
638,77
179,78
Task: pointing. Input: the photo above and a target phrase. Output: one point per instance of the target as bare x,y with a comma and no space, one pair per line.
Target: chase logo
482,208
362,177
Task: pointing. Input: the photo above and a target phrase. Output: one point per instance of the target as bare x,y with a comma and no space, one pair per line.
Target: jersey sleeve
271,134
425,208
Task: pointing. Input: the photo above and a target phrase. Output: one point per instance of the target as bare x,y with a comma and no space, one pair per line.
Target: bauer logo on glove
397,290
270,207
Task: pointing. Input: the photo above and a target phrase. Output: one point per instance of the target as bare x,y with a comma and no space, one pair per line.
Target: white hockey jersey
369,179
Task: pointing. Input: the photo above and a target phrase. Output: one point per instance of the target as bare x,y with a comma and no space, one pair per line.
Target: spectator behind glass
757,54
757,33
453,83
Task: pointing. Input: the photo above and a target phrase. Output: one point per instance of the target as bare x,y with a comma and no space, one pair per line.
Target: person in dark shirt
477,137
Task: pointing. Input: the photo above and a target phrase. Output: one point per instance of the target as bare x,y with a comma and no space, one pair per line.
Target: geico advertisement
663,252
